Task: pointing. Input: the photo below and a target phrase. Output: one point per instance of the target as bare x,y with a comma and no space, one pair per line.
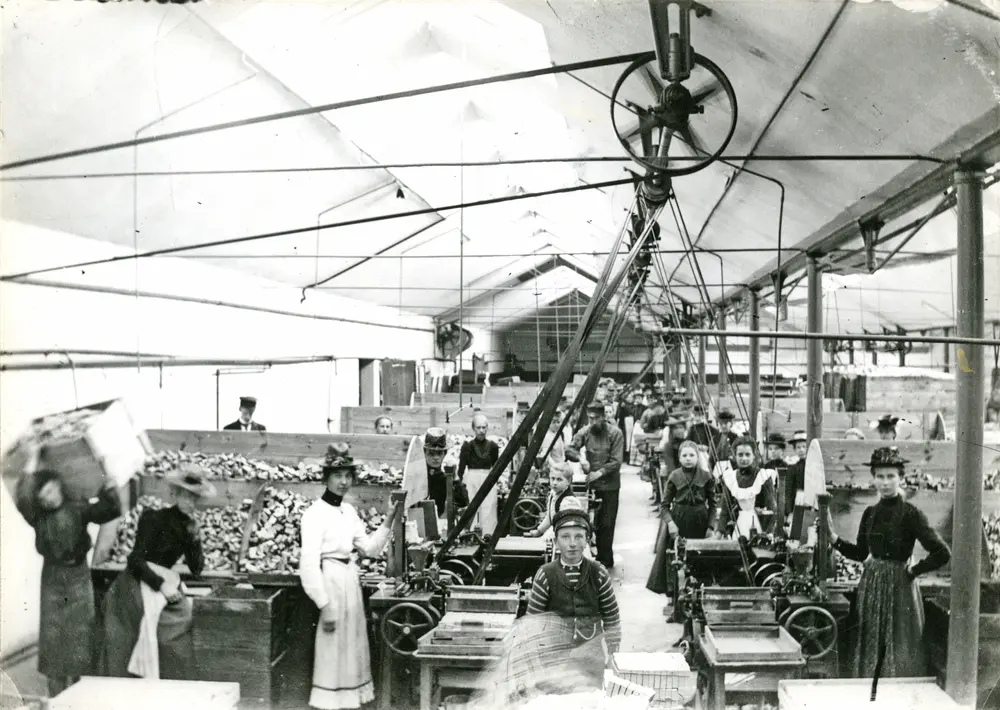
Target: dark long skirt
123,610
66,629
692,522
890,614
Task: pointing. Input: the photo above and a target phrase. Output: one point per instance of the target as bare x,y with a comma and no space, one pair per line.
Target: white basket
667,674
615,687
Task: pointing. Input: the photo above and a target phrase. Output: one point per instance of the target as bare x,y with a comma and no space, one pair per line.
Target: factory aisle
644,625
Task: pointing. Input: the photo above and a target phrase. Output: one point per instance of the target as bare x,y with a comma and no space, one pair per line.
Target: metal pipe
814,353
63,351
854,158
68,285
218,398
191,362
702,376
324,108
754,359
866,337
967,529
723,356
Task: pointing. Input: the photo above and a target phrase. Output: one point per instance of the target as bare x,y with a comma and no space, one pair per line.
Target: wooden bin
936,635
242,636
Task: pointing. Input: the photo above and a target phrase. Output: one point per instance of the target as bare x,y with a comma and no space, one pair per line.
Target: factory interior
488,354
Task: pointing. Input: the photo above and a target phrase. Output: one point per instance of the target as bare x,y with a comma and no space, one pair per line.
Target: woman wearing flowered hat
331,529
889,606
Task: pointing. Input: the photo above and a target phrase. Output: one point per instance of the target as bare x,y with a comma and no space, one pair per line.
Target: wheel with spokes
765,571
457,567
403,625
815,629
528,512
664,139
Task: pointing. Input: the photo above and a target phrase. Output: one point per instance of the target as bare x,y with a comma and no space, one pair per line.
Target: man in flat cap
605,447
248,405
435,448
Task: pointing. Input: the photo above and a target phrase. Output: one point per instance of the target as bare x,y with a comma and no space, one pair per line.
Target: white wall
299,398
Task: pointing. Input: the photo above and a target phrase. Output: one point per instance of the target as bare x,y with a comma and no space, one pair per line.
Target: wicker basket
667,674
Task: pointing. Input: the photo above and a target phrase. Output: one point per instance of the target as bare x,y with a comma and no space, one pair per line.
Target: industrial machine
475,621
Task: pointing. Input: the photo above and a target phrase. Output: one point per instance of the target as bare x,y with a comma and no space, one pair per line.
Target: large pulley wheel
403,625
528,512
458,570
654,140
815,629
766,571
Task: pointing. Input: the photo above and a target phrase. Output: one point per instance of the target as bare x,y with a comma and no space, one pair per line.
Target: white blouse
329,530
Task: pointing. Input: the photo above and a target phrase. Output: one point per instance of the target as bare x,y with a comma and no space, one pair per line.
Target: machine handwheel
773,580
528,513
459,568
403,625
764,571
815,629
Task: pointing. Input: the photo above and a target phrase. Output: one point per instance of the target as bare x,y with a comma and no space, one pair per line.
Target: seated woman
748,493
560,498
147,616
688,510
331,529
66,609
889,605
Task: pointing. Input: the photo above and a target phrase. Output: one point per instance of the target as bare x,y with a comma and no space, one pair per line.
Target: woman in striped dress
890,615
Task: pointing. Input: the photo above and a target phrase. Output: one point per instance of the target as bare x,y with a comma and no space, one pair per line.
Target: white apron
486,516
342,675
145,660
747,520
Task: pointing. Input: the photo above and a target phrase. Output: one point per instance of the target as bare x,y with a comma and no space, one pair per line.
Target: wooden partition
499,396
913,426
414,421
782,404
445,399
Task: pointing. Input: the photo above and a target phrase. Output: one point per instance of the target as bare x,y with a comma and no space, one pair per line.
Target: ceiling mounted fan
665,140
452,340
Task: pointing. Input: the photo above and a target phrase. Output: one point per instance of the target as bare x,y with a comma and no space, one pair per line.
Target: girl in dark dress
688,509
66,611
889,606
162,538
476,458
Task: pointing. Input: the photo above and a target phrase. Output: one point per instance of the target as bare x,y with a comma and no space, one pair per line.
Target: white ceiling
885,81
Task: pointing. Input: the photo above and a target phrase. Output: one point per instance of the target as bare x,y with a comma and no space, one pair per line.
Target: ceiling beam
977,144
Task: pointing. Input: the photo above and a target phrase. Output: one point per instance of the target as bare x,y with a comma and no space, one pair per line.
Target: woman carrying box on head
66,609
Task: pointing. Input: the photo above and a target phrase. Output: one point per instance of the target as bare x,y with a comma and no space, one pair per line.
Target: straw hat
191,477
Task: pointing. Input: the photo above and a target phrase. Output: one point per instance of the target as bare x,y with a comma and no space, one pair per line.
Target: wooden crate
239,635
109,447
748,644
737,605
936,635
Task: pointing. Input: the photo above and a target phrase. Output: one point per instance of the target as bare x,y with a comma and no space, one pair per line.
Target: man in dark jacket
605,446
701,432
774,459
724,446
248,405
796,480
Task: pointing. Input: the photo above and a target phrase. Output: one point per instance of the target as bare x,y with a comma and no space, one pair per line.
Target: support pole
702,381
754,360
689,373
723,355
814,352
963,631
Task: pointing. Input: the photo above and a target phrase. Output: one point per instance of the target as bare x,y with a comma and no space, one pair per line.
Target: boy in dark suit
248,405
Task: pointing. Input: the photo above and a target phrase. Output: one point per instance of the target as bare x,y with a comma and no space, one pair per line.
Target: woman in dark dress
889,606
66,611
162,538
688,509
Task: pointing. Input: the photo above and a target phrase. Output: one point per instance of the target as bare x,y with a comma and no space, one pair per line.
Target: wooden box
737,605
750,644
106,445
129,693
240,635
892,694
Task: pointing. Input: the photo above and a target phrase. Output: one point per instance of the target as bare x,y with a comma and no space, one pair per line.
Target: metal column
963,631
723,359
754,360
702,384
814,352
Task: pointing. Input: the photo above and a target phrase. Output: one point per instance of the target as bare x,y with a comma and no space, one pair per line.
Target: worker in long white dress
331,529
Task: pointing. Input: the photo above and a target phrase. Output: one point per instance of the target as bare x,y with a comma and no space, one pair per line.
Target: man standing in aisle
605,446
248,405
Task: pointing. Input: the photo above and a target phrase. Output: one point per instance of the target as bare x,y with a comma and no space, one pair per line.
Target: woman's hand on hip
328,619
